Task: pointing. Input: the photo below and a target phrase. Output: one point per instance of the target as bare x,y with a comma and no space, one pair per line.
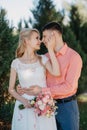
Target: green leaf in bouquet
21,106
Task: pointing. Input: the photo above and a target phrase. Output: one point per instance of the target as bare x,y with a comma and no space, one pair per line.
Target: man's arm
32,90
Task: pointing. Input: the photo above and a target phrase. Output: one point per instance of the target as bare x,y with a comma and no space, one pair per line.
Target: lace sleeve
14,64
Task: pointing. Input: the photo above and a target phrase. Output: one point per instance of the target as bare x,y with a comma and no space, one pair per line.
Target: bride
31,70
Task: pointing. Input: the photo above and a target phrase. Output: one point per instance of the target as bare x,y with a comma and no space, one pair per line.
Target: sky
20,9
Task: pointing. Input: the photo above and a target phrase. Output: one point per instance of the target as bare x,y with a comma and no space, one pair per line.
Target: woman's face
34,41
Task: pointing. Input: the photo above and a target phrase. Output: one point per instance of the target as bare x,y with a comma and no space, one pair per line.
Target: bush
6,112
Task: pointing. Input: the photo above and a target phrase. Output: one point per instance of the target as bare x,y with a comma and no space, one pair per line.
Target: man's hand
33,90
51,41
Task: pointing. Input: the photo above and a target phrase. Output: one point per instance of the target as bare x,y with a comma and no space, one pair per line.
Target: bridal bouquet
43,104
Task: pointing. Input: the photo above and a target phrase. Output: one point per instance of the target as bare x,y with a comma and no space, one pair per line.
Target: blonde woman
31,70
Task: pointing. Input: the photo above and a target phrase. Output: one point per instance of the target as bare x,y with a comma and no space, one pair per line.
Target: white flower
42,107
39,102
45,100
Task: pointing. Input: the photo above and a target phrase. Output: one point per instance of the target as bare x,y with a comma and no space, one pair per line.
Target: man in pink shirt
64,87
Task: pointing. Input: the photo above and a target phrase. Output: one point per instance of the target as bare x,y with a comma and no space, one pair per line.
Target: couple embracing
56,72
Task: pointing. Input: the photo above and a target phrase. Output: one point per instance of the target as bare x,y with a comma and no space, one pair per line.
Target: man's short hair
53,26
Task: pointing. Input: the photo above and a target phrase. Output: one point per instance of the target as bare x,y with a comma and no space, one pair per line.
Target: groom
63,88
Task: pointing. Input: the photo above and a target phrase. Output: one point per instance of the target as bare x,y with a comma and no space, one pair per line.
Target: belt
64,100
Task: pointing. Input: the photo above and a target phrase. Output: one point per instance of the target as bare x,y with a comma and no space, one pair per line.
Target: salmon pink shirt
66,84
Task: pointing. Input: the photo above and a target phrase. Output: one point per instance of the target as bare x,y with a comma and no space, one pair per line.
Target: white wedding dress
28,75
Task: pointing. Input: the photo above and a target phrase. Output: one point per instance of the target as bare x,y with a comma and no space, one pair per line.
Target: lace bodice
30,74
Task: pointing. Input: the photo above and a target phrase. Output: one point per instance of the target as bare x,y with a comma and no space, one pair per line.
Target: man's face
46,36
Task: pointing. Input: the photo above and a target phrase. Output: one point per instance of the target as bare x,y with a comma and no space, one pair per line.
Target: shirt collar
62,51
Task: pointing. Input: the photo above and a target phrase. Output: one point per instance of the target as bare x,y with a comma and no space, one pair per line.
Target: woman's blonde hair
24,33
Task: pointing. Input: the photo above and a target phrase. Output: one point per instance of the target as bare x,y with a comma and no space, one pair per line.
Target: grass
82,102
83,116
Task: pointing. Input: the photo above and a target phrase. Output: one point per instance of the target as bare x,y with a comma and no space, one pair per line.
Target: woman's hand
26,103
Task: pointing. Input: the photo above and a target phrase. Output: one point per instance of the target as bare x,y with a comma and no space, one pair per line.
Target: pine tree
83,37
45,12
7,52
79,26
75,22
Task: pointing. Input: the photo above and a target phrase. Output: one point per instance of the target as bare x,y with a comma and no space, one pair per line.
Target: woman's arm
53,65
12,90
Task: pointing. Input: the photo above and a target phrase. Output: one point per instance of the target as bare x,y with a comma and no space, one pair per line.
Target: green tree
79,26
83,37
45,12
75,21
7,52
19,25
